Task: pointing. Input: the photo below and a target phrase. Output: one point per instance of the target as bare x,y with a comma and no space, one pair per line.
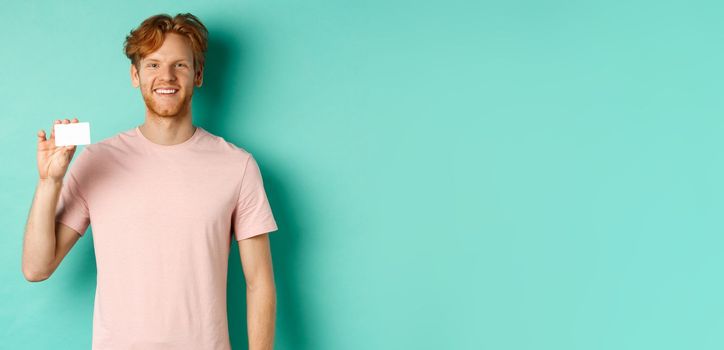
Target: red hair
149,36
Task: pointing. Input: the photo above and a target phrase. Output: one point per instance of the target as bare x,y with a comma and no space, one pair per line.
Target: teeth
166,91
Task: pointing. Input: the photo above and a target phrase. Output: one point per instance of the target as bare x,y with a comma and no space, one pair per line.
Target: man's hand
53,161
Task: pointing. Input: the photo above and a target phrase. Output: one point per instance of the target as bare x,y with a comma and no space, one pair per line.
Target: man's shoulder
219,144
110,143
125,142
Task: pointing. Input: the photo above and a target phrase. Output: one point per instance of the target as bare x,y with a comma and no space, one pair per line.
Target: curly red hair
149,36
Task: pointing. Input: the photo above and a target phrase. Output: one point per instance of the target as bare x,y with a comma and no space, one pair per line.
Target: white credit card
72,134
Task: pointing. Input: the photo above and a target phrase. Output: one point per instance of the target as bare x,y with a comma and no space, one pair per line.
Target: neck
167,131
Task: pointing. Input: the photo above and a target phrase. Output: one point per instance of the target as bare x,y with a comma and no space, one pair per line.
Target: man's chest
163,196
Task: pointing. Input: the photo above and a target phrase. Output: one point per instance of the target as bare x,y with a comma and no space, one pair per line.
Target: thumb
68,151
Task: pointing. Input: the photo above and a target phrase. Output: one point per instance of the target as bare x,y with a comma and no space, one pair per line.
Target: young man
164,199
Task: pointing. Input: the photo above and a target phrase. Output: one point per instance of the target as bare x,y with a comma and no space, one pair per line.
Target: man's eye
152,65
182,64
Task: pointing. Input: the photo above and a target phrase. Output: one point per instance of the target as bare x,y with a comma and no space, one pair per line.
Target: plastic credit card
72,134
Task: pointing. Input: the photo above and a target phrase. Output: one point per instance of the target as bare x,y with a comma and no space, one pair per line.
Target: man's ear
134,76
199,77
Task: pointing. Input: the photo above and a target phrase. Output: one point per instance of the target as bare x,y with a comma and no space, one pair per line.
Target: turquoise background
445,175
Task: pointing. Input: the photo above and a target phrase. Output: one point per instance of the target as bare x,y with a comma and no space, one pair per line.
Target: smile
165,91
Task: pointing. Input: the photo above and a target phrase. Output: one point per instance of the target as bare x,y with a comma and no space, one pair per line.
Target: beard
167,106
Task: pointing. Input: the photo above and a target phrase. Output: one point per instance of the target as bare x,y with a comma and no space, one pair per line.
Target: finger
66,121
52,129
41,135
75,120
69,151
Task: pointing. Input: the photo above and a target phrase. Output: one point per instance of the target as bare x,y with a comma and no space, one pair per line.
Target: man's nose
168,73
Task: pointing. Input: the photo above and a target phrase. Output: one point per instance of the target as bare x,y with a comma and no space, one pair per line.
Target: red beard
175,106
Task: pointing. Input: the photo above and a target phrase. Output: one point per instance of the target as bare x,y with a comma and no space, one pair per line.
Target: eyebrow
156,60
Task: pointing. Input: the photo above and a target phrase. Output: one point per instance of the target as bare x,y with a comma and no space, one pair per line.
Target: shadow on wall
227,64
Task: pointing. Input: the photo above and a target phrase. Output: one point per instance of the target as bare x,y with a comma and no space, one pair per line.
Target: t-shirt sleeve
252,215
72,208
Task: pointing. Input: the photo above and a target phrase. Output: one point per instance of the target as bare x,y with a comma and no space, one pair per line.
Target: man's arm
39,239
256,263
45,243
42,253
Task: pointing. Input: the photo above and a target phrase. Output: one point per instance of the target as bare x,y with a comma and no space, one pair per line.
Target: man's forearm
39,240
261,316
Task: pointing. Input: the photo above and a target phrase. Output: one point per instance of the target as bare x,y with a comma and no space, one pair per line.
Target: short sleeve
72,208
252,215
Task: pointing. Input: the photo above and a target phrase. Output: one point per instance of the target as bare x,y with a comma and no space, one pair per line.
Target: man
164,199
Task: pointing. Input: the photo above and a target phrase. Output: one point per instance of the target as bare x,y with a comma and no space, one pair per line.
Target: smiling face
167,78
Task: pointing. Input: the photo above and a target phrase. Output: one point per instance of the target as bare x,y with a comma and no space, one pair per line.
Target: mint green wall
445,175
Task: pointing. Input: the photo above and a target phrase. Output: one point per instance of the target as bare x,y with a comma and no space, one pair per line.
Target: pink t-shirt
162,219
